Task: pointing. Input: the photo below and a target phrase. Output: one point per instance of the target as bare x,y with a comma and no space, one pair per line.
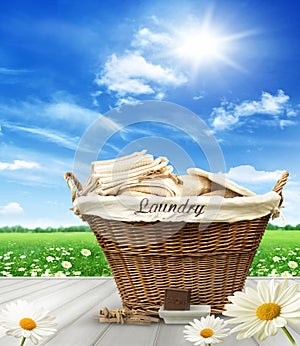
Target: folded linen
132,172
165,187
219,182
193,185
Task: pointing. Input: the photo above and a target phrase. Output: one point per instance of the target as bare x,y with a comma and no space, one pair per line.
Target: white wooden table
76,301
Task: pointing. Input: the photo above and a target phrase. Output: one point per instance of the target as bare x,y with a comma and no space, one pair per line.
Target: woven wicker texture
212,261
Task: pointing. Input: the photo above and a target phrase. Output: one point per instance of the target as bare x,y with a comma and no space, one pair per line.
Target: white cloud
127,101
18,164
230,115
132,74
53,112
12,208
52,136
264,181
291,201
10,71
145,37
248,174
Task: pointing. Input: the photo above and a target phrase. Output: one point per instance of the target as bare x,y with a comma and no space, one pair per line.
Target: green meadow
62,254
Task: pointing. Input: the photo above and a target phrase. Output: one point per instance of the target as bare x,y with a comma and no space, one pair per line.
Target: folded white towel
165,187
132,173
218,181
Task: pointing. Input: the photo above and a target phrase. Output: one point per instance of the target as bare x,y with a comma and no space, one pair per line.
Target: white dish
184,316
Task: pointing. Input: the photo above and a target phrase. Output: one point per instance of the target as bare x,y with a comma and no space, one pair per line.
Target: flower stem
23,341
289,336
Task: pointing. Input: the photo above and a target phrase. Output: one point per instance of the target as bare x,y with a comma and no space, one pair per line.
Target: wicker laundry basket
213,262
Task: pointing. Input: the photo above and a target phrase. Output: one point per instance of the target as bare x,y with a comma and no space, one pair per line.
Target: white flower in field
273,273
66,264
293,264
286,274
26,320
33,273
264,311
77,273
60,275
276,259
21,269
23,256
85,252
284,258
50,259
208,330
47,273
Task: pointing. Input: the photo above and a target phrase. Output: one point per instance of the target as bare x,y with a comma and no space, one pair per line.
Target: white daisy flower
77,273
50,259
264,311
85,252
24,319
60,275
276,259
293,264
208,330
286,274
66,264
273,273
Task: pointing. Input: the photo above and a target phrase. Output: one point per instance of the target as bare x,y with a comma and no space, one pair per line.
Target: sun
198,45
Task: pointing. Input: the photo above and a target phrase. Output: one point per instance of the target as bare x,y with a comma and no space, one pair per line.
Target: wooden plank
13,285
129,335
37,288
76,301
86,329
63,303
170,335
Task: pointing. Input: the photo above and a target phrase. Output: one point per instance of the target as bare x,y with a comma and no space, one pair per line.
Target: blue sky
64,64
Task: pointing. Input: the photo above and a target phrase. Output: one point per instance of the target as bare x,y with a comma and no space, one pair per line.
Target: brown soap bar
177,299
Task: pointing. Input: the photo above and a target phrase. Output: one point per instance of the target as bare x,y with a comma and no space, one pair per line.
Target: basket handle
280,185
73,184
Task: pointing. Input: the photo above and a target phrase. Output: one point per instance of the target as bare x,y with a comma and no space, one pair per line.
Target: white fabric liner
175,209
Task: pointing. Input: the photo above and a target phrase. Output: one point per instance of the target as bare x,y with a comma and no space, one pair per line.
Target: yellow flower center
206,333
27,323
268,311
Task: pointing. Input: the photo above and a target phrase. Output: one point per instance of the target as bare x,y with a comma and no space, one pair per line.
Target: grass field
78,254
51,254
